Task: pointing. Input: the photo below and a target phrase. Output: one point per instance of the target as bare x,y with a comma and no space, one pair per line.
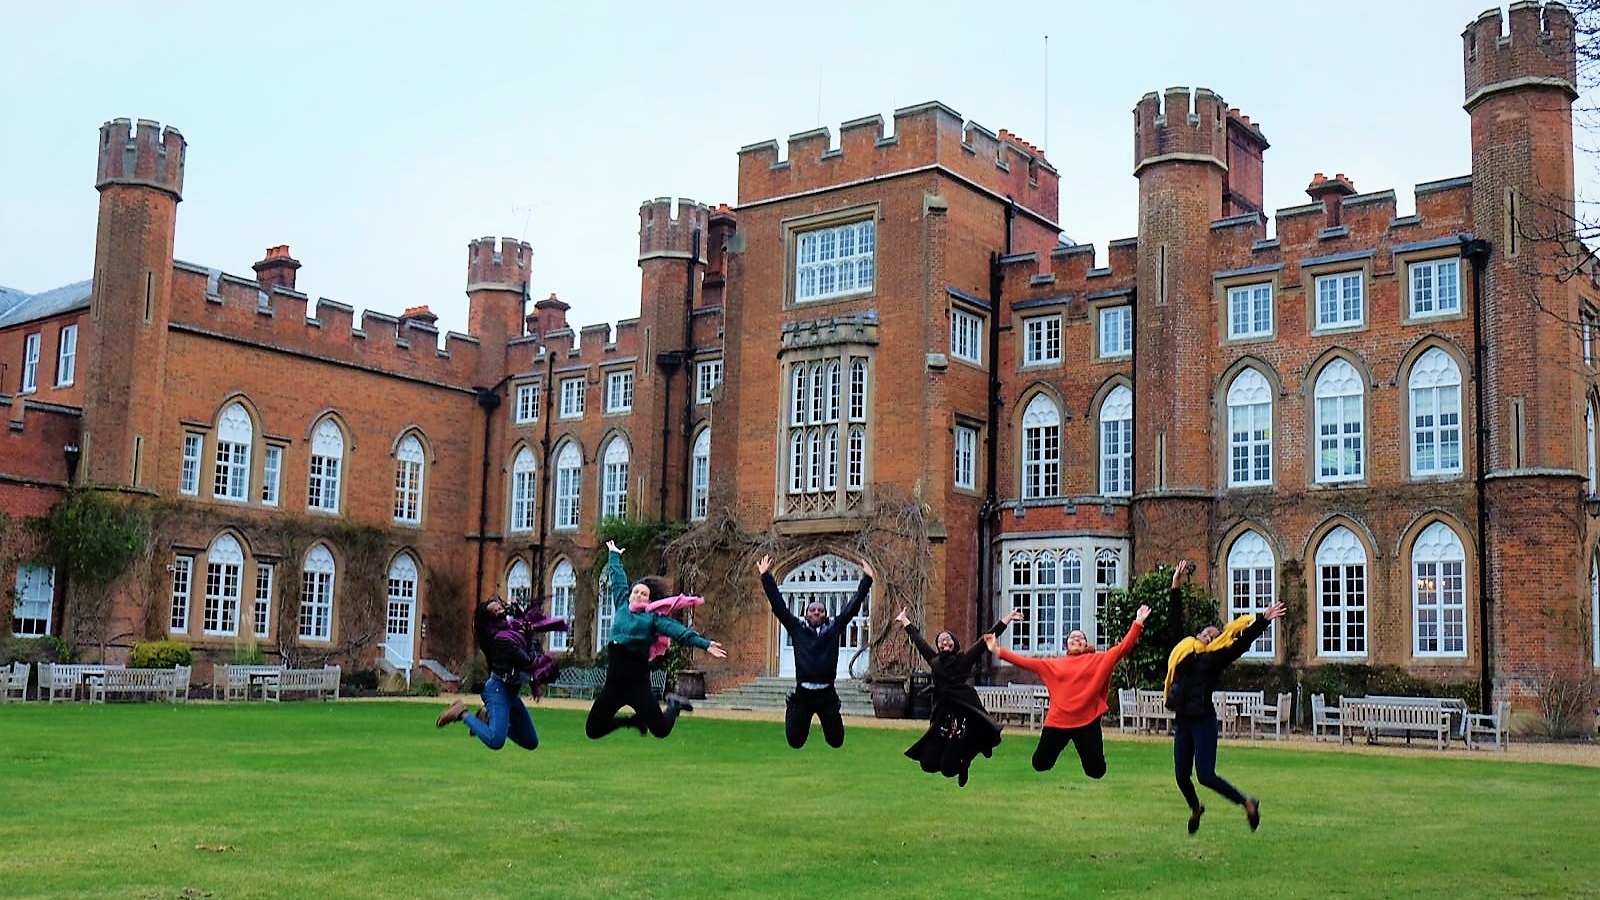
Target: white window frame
1252,586
619,391
1590,448
1340,400
965,465
189,475
181,595
821,434
1439,594
835,261
1059,584
322,474
1116,443
30,362
569,487
966,336
519,581
1341,582
572,396
35,593
1041,340
563,593
1249,429
271,474
1433,287
1341,300
409,471
1116,331
707,376
1434,392
1250,311
1586,326
67,356
700,477
1041,449
224,587
527,406
524,491
316,594
234,436
614,478
266,574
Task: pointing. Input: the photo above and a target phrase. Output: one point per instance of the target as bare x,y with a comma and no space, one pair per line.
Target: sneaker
482,714
1194,818
961,778
454,713
1252,812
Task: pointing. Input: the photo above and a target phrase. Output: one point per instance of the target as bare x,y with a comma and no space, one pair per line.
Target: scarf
1192,645
666,606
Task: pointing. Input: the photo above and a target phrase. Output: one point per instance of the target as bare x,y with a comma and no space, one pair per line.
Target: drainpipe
488,401
989,512
688,374
545,489
1476,251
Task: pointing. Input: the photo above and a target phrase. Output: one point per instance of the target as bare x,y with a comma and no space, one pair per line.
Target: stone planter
691,684
889,697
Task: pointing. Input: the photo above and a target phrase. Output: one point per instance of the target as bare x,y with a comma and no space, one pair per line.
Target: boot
454,713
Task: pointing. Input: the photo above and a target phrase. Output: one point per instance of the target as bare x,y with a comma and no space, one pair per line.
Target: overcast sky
377,139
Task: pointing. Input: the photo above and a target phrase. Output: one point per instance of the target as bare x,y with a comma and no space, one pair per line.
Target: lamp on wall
70,454
1591,505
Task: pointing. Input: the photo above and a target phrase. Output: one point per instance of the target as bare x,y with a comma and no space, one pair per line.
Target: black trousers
628,684
805,703
1087,738
1194,749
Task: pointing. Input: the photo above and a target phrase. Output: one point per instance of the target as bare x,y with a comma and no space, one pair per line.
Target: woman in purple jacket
514,656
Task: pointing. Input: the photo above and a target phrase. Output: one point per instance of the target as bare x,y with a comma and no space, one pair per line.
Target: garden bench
1152,711
1495,726
14,681
1024,702
1277,717
584,682
61,680
1375,717
1324,719
237,682
170,685
322,684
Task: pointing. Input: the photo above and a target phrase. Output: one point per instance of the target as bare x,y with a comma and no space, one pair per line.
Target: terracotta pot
889,698
691,684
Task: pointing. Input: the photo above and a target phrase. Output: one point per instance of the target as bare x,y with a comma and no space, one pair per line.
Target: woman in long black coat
958,729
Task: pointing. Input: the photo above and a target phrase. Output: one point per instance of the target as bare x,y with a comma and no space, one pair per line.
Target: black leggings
1087,738
628,684
802,705
1194,746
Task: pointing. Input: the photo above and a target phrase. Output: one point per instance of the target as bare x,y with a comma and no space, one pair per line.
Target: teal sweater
635,630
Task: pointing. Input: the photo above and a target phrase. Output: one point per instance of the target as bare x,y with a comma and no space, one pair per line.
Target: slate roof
17,307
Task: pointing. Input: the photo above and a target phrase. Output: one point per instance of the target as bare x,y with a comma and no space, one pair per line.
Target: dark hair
953,639
658,586
483,621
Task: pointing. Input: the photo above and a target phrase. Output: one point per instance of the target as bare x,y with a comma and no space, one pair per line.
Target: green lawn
322,800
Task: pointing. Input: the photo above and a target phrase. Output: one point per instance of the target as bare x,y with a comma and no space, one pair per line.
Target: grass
366,800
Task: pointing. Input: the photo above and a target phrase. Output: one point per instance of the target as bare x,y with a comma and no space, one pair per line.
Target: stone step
771,692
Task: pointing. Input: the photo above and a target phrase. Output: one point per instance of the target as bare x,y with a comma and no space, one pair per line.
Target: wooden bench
322,684
1151,711
1278,717
238,682
171,685
14,681
1324,719
584,682
60,681
1375,718
1024,702
1495,726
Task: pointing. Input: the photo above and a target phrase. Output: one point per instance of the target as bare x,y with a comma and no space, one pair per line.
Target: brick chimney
549,314
419,314
1331,191
277,269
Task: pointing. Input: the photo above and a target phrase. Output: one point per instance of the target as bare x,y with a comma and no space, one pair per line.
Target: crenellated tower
672,265
140,180
1520,81
497,284
1181,145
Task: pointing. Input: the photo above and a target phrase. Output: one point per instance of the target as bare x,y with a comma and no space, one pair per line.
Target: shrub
30,650
249,655
425,688
161,655
1565,701
359,680
474,674
1336,680
1145,666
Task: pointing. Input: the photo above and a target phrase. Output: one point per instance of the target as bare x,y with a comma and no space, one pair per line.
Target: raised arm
915,634
617,576
854,606
680,632
1031,663
780,607
1180,574
979,647
1132,637
1226,655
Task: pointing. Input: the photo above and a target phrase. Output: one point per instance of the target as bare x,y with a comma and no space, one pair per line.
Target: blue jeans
508,717
1194,749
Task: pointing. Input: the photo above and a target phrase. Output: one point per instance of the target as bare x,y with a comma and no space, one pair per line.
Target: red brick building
1386,420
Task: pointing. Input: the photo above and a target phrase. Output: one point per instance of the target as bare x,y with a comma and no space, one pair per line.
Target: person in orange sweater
1078,685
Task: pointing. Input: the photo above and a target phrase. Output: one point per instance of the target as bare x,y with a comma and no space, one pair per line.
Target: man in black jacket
816,658
1194,671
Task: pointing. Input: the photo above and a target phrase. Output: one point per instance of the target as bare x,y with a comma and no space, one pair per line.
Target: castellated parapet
1180,125
148,156
1538,49
662,234
498,265
928,134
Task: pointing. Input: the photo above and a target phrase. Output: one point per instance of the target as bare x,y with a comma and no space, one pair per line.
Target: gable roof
17,308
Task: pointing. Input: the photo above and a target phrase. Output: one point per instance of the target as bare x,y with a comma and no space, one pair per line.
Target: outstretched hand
903,618
869,570
764,564
1142,614
716,650
1015,616
612,546
1181,571
989,640
1275,610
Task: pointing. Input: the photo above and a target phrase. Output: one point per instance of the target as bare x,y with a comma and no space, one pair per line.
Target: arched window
563,584
1435,414
569,480
327,459
1250,586
1116,443
408,460
1589,446
700,476
401,612
235,436
519,582
524,490
1594,607
614,479
316,595
1341,594
1249,430
1340,450
224,570
1438,593
831,581
1041,449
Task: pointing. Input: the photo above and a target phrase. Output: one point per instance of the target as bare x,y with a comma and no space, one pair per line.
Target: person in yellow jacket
1194,669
